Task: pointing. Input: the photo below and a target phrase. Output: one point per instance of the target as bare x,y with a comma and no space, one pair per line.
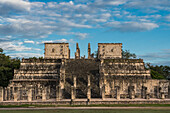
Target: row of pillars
117,92
16,94
145,94
73,90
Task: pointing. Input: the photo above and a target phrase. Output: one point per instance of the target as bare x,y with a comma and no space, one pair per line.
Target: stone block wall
109,50
123,67
57,50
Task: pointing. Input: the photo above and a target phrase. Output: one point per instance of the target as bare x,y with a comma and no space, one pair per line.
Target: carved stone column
72,93
44,94
58,93
162,95
9,93
131,92
77,53
169,91
157,91
89,93
5,95
1,94
144,92
15,93
48,92
147,96
103,92
75,81
117,92
30,94
89,51
89,89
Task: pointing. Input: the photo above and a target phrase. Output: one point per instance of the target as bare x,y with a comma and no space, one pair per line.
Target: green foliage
7,66
1,50
156,75
127,55
159,72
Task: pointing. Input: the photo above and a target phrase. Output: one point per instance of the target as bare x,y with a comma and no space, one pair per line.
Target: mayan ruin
108,78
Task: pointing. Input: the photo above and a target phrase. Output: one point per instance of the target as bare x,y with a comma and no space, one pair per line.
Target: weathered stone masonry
57,77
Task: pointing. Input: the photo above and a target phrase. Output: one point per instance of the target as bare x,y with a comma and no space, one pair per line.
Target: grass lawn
86,111
96,105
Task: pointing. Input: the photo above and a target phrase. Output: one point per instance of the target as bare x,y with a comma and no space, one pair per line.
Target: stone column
44,94
5,95
117,92
89,89
77,53
157,92
147,94
48,92
89,93
15,93
30,94
143,92
169,91
162,95
131,92
103,92
72,93
112,93
1,94
58,93
75,81
89,51
8,91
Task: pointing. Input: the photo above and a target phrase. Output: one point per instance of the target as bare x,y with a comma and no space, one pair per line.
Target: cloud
166,63
25,55
81,35
56,41
131,26
14,46
10,6
167,18
41,19
29,41
155,5
158,58
104,3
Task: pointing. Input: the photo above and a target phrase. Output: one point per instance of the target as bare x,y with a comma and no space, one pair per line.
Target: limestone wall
123,67
38,69
57,50
154,88
109,50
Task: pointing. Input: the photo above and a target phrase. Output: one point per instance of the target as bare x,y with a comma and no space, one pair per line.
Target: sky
143,26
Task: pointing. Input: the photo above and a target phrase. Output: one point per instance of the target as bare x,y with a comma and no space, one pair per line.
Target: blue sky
143,26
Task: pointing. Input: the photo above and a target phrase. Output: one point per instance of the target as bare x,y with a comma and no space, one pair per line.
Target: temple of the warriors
107,79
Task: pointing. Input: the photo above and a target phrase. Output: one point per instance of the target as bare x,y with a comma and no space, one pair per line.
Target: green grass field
96,105
87,111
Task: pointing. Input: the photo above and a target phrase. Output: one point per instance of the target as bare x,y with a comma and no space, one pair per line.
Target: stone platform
86,102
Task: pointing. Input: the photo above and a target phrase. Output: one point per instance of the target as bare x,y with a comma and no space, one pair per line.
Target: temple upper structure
109,50
57,50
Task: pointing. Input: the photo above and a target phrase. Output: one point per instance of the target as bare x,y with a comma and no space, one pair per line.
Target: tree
7,66
159,72
127,55
1,50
